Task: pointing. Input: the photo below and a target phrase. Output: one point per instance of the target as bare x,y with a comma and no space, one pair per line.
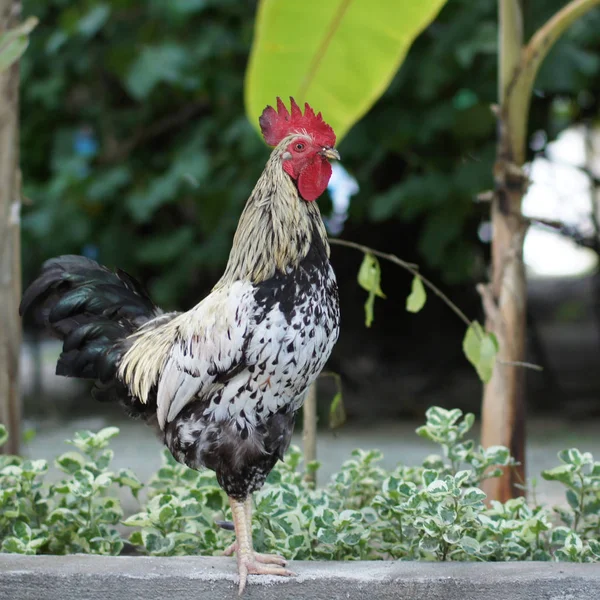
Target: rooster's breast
246,424
294,326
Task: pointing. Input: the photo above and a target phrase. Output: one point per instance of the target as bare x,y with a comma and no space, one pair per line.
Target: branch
517,93
510,16
391,257
411,268
484,290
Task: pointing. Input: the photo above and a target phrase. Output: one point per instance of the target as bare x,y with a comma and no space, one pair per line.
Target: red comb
278,124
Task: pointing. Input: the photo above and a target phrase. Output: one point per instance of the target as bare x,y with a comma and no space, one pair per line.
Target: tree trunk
10,254
505,297
505,301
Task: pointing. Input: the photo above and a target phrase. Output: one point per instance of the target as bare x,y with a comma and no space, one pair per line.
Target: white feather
210,338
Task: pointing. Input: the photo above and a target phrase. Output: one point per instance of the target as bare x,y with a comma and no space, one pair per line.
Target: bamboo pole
10,254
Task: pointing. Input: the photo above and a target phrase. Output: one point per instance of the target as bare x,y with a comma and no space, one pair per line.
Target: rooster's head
307,144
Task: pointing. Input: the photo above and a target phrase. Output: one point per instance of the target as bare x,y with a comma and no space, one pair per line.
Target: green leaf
562,473
69,462
488,548
573,543
327,536
14,42
498,455
14,545
595,547
429,544
83,483
350,516
128,478
138,520
417,298
447,514
514,549
22,531
437,488
473,496
572,456
461,477
3,435
290,500
480,348
337,412
466,424
156,543
369,275
452,535
329,517
429,476
469,545
573,499
559,535
369,278
329,69
62,516
369,310
106,434
296,541
351,539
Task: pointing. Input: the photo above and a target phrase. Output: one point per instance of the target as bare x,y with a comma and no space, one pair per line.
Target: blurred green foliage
135,148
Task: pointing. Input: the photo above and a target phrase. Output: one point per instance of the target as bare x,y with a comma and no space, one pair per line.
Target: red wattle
313,179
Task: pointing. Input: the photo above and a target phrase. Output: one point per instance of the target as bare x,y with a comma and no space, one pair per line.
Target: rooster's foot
251,564
266,559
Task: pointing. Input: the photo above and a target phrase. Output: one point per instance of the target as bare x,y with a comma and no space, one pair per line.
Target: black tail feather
93,310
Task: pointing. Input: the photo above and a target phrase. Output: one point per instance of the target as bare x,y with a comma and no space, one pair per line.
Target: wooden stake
309,431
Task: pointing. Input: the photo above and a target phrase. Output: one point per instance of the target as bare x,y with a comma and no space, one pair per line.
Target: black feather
93,310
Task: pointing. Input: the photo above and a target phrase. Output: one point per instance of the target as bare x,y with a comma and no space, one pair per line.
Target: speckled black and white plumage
244,426
223,381
227,377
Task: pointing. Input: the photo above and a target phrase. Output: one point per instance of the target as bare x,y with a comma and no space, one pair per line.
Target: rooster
222,382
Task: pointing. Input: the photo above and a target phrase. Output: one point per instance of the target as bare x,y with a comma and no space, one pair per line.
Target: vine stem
412,268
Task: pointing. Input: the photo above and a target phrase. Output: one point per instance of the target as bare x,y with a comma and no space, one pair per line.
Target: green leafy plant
434,511
179,516
74,515
580,474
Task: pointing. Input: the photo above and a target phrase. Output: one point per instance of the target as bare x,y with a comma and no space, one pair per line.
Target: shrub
435,511
75,515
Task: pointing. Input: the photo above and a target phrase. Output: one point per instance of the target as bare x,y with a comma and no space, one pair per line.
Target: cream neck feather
276,227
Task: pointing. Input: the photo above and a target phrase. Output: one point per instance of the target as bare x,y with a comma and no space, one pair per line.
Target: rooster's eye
299,147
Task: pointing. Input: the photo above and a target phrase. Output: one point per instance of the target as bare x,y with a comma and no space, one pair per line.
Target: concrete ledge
201,578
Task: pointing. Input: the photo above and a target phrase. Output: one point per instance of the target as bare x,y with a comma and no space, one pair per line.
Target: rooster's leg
250,562
273,559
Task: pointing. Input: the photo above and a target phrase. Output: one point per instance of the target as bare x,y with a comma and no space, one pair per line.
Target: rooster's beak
330,153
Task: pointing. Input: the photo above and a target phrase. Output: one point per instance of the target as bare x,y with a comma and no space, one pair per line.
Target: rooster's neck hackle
276,228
